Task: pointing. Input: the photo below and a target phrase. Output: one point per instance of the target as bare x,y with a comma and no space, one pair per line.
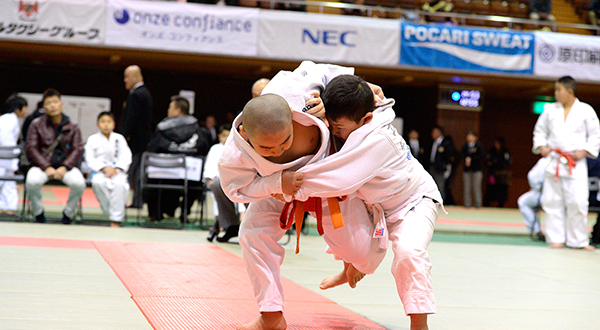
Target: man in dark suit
441,158
136,124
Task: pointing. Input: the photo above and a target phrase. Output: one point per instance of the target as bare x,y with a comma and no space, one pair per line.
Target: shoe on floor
232,231
211,236
66,220
41,218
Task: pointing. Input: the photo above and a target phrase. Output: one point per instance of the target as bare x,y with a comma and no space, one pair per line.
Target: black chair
7,156
176,172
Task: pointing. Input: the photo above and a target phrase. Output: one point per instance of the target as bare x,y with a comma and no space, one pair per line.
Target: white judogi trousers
9,197
111,193
565,202
529,205
260,233
411,266
36,178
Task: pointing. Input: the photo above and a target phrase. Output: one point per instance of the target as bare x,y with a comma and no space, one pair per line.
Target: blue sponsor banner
451,47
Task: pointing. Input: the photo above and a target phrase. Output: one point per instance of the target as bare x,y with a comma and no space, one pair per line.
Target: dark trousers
134,180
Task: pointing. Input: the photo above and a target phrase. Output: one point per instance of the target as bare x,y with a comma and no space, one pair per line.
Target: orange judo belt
570,162
295,209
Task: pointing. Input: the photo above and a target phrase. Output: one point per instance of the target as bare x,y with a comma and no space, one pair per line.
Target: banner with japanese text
182,27
559,54
60,21
453,47
318,37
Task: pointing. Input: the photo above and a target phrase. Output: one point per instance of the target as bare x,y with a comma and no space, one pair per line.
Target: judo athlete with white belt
567,131
108,156
259,148
375,162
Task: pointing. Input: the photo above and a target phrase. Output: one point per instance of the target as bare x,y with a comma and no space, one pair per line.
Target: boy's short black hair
49,93
568,82
348,96
182,103
224,127
14,102
105,113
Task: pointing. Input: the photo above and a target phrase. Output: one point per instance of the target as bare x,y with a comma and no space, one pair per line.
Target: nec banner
58,21
559,54
323,38
443,46
182,27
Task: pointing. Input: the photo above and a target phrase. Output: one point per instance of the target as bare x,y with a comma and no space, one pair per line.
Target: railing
511,22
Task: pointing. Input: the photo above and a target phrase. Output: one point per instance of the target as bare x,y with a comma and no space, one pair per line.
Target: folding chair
171,172
8,157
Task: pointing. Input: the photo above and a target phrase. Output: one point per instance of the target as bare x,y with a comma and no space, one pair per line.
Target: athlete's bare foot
266,321
589,248
556,246
354,276
333,281
349,275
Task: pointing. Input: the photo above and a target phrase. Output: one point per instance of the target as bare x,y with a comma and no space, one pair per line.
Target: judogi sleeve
593,133
211,170
345,172
541,131
240,180
95,162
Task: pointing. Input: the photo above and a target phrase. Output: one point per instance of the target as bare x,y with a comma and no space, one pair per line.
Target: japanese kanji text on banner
61,21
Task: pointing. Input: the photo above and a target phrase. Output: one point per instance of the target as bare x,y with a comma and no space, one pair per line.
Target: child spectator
54,148
109,157
225,211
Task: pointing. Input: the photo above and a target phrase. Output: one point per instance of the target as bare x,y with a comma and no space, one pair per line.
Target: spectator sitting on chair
54,148
179,133
109,157
16,107
227,218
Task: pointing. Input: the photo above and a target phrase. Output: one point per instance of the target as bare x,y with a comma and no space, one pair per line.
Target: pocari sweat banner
451,47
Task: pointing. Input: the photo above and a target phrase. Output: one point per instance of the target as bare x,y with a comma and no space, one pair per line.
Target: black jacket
446,154
137,119
180,135
477,155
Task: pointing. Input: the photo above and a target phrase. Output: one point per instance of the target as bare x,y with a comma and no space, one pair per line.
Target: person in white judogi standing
15,107
567,131
108,156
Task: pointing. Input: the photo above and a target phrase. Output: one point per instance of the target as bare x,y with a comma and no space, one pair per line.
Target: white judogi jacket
295,86
247,177
211,165
580,131
376,163
240,163
9,134
112,152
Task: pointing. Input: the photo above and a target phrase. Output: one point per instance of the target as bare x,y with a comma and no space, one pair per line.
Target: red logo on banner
28,9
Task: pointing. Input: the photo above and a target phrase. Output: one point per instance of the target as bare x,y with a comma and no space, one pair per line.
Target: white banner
182,27
62,21
327,38
559,54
